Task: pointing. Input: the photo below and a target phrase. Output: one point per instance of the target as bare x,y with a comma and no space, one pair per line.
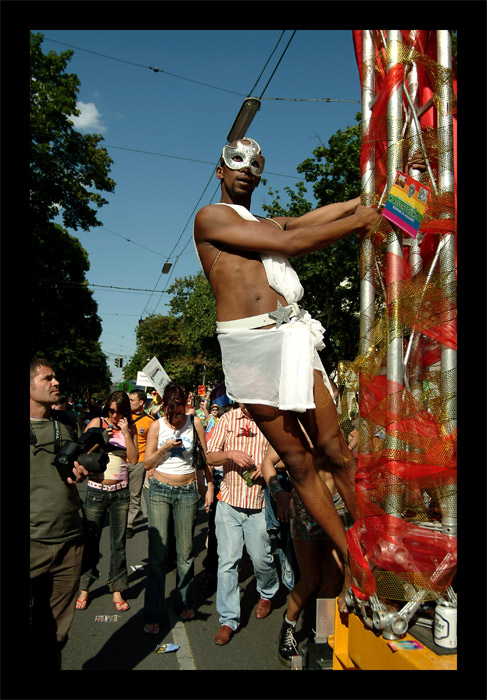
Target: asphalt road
122,644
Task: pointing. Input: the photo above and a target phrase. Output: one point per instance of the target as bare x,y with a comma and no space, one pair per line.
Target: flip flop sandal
121,605
81,603
151,629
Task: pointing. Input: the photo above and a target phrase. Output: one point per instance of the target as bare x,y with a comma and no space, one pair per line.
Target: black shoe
287,644
130,533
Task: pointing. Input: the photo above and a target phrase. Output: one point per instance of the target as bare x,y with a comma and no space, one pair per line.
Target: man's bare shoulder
210,218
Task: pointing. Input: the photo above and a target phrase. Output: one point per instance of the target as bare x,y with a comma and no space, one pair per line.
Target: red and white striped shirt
234,431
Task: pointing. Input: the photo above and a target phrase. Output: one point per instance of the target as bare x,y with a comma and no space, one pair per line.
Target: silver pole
447,184
367,290
446,177
395,369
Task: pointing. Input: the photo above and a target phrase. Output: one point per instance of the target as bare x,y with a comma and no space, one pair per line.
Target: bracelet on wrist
274,486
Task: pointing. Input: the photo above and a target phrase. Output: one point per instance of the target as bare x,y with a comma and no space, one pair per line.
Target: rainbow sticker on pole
406,204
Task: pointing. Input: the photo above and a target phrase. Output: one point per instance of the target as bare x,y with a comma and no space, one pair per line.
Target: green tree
67,171
66,167
156,336
184,342
330,276
193,302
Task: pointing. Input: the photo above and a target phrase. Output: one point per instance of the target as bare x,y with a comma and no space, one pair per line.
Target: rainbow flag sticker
406,204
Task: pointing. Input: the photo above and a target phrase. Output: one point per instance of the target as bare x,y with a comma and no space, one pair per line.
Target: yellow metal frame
355,647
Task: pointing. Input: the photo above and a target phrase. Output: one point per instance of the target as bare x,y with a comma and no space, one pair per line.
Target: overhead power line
140,65
193,160
199,82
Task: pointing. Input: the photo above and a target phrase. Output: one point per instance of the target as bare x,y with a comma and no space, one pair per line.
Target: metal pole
367,290
446,177
395,371
447,184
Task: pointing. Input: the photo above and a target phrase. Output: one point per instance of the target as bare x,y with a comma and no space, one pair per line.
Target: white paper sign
155,373
143,380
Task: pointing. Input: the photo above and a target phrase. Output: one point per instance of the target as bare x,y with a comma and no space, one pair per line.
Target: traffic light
119,362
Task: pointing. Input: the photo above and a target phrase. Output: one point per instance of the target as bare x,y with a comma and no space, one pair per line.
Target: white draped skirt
274,367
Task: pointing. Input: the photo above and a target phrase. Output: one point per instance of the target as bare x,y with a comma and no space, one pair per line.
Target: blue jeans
287,557
234,526
182,501
95,506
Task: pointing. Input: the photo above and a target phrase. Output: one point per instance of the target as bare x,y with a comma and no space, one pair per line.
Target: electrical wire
278,63
140,65
193,160
211,177
198,82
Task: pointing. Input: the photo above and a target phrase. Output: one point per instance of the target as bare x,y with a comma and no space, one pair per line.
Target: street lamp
166,267
250,106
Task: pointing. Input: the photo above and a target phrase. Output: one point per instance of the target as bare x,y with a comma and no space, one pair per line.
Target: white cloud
89,118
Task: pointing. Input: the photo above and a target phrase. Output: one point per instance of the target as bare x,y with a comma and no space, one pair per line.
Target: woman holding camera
173,490
112,493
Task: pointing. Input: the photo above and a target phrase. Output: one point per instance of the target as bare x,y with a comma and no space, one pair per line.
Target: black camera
88,450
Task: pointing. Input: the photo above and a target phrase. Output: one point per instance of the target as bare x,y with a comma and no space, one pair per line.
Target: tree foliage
66,169
184,342
330,276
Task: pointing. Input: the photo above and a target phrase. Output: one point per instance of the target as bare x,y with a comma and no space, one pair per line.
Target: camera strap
56,442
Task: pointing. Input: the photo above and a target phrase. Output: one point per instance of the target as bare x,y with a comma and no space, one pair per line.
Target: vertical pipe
395,367
415,259
367,291
367,254
446,183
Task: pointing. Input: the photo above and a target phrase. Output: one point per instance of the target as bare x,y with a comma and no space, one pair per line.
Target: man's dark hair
35,364
141,395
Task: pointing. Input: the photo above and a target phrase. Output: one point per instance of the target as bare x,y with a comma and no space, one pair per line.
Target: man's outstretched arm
221,226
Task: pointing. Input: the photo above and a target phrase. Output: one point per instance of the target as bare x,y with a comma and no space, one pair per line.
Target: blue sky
165,134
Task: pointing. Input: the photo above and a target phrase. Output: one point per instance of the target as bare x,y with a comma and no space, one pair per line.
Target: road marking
184,653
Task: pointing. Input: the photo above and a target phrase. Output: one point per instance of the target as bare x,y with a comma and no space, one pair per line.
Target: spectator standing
202,411
172,492
136,473
112,495
211,560
239,446
56,538
318,560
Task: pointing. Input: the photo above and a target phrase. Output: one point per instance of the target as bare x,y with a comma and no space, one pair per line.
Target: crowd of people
156,449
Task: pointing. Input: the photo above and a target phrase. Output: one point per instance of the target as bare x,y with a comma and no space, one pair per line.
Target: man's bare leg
283,431
321,424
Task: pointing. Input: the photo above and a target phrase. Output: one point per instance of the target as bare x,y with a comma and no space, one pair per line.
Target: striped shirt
234,431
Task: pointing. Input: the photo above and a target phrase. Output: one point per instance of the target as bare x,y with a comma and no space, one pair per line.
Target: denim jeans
234,526
95,506
287,557
182,502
